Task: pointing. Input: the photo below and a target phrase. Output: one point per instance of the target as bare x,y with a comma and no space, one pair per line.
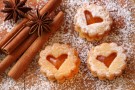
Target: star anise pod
39,23
15,9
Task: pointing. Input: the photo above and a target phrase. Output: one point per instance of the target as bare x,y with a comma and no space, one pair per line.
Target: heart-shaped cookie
107,60
92,22
90,19
57,62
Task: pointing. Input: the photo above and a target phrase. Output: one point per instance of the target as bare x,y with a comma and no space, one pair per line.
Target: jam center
57,62
107,60
90,19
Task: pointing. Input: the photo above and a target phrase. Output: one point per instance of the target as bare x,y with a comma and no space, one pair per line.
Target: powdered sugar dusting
122,34
7,26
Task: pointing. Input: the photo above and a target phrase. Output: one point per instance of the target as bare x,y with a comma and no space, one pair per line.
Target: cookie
106,61
93,22
59,62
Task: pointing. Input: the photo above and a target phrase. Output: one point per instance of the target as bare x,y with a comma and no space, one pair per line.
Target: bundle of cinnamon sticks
19,45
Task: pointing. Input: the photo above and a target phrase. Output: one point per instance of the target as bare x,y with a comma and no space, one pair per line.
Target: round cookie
106,61
92,22
59,62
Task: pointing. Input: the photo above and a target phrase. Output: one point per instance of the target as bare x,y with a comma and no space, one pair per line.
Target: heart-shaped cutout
90,19
107,60
57,62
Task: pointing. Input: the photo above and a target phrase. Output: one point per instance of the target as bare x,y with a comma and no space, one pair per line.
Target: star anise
15,9
39,23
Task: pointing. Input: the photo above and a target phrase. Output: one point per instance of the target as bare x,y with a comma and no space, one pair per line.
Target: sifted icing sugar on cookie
122,33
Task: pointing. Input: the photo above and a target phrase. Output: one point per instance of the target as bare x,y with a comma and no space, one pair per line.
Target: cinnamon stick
20,50
15,30
37,45
12,43
10,59
16,41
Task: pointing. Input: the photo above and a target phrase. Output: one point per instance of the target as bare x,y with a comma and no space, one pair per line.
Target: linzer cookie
92,22
59,62
106,61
